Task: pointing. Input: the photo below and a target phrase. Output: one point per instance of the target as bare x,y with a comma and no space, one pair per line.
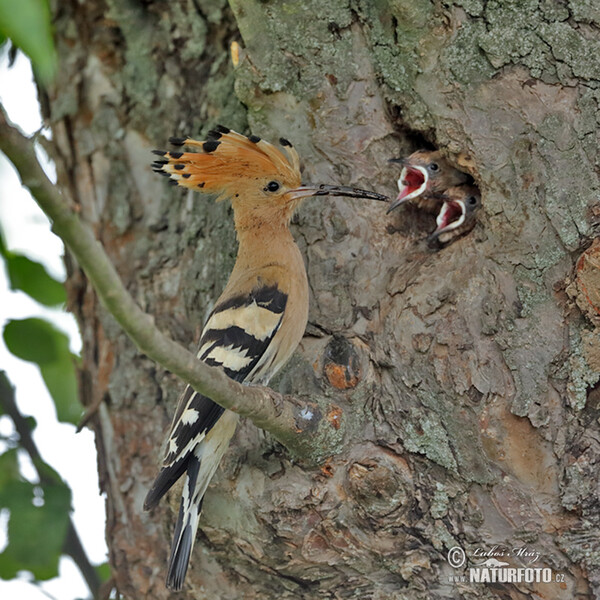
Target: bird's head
425,173
458,213
262,181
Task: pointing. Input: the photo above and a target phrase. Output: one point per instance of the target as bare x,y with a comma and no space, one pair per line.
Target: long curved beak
310,189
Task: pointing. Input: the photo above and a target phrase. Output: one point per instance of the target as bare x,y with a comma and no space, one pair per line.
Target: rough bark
463,381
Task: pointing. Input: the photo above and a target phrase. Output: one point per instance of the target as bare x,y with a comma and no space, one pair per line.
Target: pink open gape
412,181
450,216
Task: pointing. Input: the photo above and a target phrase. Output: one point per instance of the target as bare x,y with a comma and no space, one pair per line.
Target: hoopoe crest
260,317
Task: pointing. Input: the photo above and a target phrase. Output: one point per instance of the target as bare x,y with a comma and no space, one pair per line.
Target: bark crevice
472,420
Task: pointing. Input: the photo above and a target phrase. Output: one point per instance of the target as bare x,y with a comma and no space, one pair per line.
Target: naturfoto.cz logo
494,570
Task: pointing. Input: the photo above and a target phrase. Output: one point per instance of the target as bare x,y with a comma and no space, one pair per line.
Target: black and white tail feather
238,337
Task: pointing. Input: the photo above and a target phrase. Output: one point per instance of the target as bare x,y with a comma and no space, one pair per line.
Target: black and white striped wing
237,337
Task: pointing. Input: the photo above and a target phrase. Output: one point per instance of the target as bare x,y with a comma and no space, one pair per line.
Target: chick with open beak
424,177
458,214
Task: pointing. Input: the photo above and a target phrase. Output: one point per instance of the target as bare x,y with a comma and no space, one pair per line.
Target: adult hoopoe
458,213
259,318
424,176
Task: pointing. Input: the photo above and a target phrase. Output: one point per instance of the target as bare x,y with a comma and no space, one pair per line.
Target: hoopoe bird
259,318
424,177
458,213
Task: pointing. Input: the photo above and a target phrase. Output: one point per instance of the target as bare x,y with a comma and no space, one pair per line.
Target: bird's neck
270,244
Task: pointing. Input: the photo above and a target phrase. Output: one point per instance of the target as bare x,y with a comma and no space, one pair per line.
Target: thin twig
72,545
43,591
291,422
90,411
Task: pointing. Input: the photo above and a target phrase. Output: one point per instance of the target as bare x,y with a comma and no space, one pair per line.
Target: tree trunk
463,380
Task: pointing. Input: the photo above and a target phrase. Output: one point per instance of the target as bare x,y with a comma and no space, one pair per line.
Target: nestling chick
424,176
259,318
458,214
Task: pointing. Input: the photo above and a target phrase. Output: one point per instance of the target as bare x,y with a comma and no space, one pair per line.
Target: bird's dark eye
434,167
272,186
472,200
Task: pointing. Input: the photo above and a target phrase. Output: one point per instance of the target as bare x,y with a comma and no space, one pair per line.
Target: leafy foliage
38,341
104,571
38,512
37,526
27,24
31,277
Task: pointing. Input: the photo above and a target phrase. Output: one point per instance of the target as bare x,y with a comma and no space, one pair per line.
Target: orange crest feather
227,159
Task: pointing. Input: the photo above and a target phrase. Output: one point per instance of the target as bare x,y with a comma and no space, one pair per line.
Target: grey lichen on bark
462,382
514,87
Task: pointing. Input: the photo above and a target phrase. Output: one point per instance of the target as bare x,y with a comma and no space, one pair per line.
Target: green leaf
35,340
27,24
9,472
59,378
32,278
38,514
31,423
47,473
6,388
38,341
103,571
36,533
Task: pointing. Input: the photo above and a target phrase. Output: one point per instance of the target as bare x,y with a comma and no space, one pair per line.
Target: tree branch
72,545
293,423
